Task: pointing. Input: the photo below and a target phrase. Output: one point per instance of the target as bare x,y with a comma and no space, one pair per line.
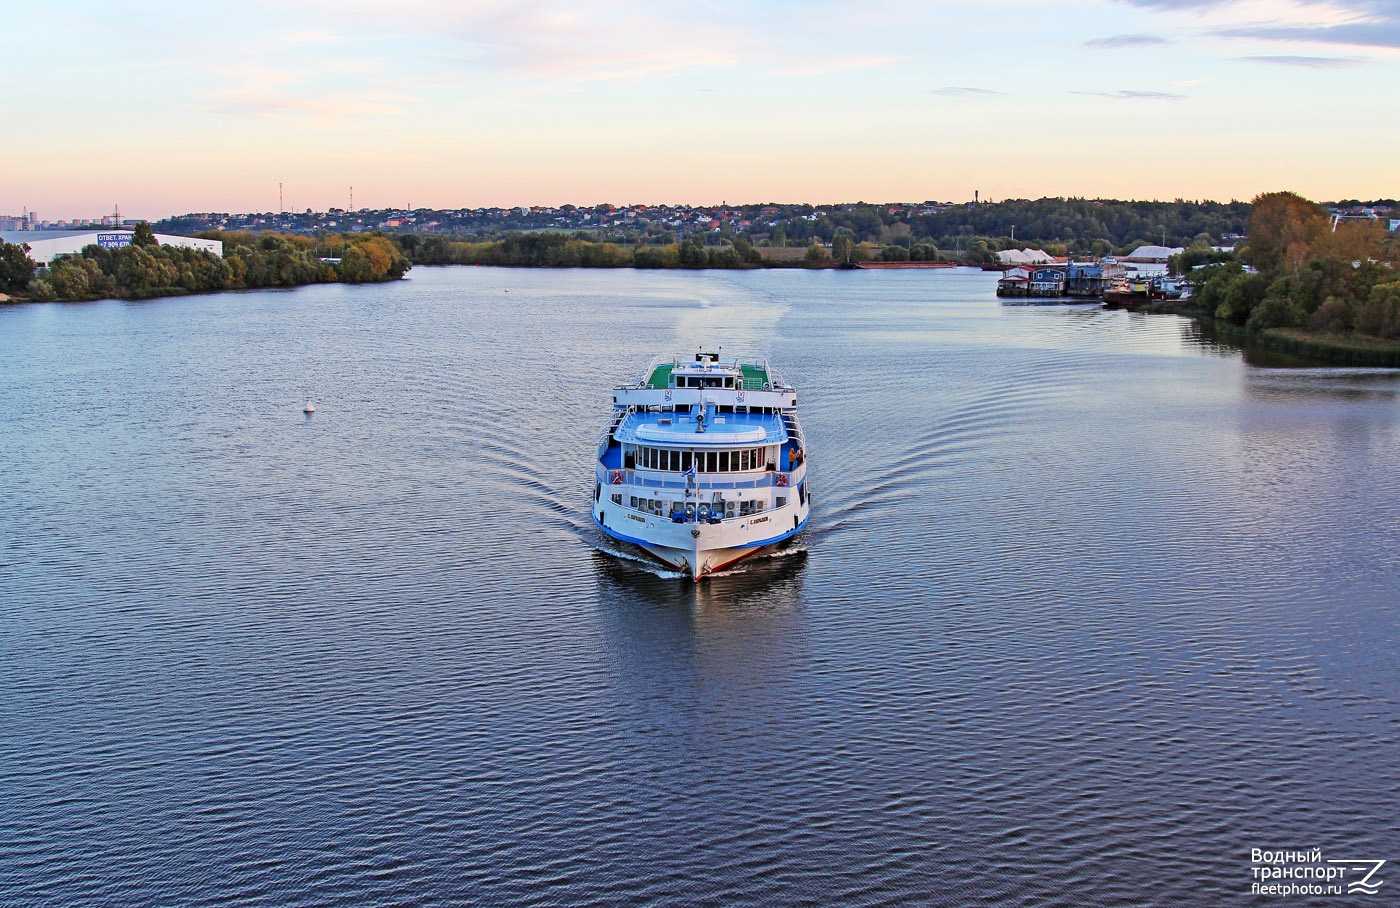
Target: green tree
354,266
747,254
693,254
140,273
16,267
979,252
725,257
1240,294
41,290
815,253
841,246
144,235
69,277
1209,285
1379,315
1333,316
1276,309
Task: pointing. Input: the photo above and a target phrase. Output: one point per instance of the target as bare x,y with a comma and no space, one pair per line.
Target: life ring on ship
781,480
617,477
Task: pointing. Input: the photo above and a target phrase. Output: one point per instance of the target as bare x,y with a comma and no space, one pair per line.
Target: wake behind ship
702,463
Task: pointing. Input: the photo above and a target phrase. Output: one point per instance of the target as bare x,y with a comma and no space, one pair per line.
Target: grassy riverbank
1337,349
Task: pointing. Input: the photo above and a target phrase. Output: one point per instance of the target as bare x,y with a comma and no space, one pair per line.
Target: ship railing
767,480
794,430
641,381
605,438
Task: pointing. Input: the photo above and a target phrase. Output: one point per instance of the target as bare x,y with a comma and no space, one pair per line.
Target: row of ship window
701,461
721,409
661,508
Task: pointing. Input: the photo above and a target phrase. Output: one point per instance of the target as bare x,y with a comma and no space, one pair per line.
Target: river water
1089,608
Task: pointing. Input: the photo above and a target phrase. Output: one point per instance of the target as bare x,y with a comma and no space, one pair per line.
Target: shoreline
1322,348
1326,348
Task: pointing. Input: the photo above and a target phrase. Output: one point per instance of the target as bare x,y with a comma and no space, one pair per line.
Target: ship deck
678,429
755,377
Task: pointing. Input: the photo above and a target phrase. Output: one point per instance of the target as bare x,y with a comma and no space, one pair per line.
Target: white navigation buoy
310,407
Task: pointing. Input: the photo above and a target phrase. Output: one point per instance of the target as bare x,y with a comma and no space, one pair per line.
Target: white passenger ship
702,463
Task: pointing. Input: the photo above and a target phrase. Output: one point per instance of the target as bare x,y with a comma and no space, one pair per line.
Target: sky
167,108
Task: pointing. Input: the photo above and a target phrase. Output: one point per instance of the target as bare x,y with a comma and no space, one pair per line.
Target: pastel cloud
964,90
1356,23
1384,34
1127,95
1119,41
1304,62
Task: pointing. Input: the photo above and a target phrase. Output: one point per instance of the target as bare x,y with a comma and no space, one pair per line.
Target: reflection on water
736,618
1214,339
1323,385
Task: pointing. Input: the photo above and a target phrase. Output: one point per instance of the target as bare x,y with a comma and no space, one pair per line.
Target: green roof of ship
755,376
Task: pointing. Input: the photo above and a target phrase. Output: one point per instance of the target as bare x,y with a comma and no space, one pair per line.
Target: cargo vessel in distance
702,463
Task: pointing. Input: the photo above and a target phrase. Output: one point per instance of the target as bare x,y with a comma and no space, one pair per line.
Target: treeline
1306,273
1080,226
144,268
560,250
549,249
973,232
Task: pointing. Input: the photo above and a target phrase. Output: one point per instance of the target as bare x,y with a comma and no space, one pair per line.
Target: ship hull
713,550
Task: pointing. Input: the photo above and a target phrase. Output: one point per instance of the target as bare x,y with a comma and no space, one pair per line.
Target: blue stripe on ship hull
623,537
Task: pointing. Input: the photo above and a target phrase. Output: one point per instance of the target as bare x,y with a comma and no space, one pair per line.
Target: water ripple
1087,609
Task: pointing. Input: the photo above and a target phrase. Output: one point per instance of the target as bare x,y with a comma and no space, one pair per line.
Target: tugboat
702,463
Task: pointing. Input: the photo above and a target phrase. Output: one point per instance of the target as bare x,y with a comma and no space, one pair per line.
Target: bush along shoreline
144,269
1306,285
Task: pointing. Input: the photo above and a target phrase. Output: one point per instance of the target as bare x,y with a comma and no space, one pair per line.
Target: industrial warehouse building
47,245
